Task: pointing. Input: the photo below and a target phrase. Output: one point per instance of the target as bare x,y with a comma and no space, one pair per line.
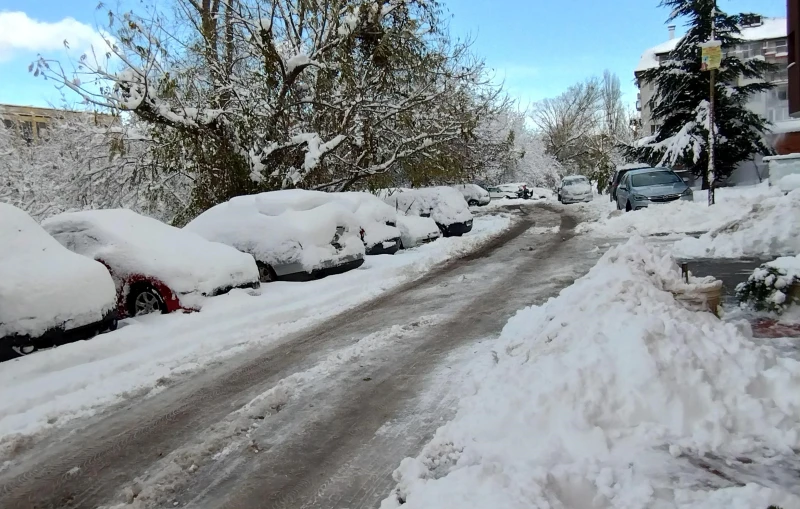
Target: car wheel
265,273
400,243
472,203
24,350
628,207
144,299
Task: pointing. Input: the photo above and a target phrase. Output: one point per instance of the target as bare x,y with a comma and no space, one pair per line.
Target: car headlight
688,192
640,197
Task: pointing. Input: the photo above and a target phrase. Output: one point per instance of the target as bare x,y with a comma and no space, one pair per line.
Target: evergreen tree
681,101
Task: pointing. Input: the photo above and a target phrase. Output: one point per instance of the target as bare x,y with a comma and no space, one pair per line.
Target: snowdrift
131,244
605,396
768,226
677,217
42,284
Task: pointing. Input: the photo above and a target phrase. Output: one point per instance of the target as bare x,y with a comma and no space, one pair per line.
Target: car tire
472,203
143,299
400,243
266,274
628,207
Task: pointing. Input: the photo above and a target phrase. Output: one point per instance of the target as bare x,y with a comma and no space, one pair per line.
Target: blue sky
538,47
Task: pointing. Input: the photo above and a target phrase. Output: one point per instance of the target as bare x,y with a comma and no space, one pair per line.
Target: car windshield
572,182
654,178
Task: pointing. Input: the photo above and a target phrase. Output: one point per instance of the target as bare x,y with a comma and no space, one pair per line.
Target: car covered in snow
416,230
641,188
505,191
48,294
379,221
475,195
290,240
446,206
575,189
156,267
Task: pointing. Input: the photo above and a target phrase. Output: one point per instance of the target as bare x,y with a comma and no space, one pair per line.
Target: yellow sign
711,57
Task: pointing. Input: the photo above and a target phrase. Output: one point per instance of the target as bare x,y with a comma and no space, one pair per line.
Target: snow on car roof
445,204
131,243
253,224
40,280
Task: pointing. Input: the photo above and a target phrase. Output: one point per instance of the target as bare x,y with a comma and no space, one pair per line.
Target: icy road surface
321,419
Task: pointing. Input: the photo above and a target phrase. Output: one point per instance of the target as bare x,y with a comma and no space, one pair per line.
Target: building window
780,93
653,129
780,75
778,114
27,130
41,129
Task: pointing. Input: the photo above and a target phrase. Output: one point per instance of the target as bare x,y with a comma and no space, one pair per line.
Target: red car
155,267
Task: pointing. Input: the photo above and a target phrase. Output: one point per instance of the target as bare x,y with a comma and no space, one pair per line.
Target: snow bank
603,396
444,204
676,217
42,284
279,231
132,244
768,227
52,387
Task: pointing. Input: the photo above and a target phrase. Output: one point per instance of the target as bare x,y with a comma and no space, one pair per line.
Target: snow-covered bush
768,287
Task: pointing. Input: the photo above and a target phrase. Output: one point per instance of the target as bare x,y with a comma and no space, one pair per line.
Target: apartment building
31,123
793,40
762,38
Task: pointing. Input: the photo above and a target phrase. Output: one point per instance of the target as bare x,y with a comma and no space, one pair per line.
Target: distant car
621,172
644,187
575,189
156,268
416,230
289,244
48,294
541,193
444,205
502,192
475,195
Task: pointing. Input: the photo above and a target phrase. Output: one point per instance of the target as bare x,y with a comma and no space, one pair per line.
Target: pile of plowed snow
615,395
767,227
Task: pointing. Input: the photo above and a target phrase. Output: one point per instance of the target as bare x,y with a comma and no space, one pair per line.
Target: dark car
621,172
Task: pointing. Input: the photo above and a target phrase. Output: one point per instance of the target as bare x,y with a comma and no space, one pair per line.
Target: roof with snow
771,28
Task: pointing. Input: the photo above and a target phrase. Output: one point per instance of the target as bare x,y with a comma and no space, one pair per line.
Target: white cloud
21,34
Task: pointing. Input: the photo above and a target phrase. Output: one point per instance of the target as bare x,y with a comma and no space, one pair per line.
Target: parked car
503,192
644,187
621,172
575,189
48,294
156,268
416,230
309,242
377,219
444,205
475,195
784,171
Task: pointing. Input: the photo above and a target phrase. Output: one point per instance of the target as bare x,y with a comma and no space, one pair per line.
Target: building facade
31,123
762,38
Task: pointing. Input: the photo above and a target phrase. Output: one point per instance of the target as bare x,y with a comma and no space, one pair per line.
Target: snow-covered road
317,417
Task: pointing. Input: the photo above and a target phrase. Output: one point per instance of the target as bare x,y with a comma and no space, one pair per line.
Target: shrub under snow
608,396
768,286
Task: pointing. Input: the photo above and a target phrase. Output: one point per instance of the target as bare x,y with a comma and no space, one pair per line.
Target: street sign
711,56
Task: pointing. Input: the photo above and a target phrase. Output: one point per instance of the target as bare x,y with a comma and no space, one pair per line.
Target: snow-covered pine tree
680,102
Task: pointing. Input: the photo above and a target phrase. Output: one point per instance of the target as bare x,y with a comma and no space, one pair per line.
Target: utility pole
711,59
